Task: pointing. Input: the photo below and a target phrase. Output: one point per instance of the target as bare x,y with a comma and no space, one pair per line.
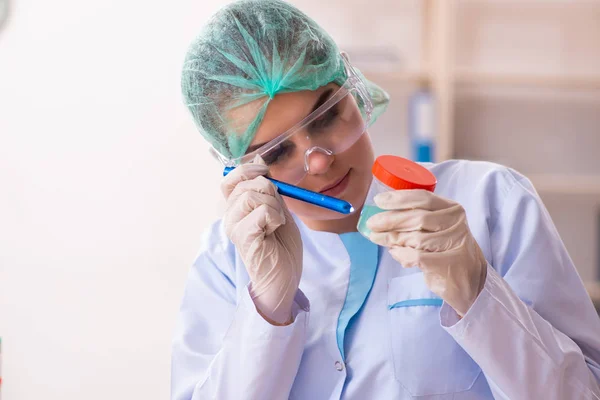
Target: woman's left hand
430,232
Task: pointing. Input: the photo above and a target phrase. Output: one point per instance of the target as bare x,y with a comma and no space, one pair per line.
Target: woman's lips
338,187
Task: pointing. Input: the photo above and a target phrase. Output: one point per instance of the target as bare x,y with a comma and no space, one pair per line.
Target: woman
467,293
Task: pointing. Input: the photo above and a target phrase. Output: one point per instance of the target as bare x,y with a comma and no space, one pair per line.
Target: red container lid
400,173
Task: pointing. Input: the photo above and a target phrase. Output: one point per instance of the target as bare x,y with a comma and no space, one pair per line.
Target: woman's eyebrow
320,101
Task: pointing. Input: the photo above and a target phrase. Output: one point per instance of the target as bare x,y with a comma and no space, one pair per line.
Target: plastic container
393,173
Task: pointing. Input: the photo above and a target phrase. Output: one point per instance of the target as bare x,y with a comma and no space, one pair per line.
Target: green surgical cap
248,52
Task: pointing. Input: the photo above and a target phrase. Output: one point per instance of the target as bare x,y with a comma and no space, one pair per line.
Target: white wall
105,187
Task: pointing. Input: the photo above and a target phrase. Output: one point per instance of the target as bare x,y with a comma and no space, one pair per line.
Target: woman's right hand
265,235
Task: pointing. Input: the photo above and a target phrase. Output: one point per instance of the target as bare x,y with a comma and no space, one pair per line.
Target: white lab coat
531,334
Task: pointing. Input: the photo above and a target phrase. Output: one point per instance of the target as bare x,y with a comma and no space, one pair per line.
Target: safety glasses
331,129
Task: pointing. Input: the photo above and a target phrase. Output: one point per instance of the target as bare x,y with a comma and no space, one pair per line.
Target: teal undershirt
364,258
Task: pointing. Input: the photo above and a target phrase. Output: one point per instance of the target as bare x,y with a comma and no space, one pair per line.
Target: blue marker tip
318,199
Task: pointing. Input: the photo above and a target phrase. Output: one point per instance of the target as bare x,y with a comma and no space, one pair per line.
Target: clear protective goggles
331,129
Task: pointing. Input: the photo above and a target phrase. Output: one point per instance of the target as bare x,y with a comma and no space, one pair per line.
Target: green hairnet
247,53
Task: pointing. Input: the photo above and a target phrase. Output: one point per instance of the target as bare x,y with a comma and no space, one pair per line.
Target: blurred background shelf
536,5
578,82
567,184
397,76
481,78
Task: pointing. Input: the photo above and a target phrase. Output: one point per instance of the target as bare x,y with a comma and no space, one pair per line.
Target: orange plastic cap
400,173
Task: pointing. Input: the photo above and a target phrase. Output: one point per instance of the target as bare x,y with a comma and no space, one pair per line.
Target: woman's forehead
287,109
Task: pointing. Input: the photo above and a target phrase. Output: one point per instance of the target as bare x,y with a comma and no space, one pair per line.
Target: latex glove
266,236
430,232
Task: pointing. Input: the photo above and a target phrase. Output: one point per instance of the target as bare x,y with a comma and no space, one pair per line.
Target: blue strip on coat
417,302
364,257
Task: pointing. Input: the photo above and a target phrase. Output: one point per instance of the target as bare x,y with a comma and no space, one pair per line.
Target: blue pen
307,196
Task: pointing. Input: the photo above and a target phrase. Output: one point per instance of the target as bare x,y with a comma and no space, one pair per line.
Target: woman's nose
318,161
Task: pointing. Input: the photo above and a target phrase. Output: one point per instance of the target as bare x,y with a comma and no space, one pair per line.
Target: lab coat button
339,366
